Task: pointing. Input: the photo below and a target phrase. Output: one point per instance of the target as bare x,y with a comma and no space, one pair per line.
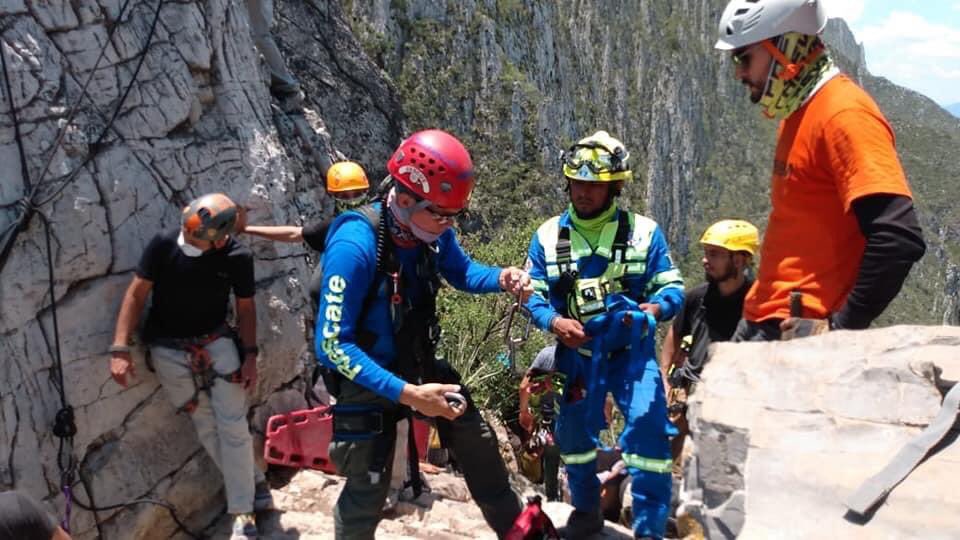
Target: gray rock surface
446,513
784,432
198,119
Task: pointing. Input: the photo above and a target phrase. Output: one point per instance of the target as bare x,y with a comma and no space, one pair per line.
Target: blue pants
637,387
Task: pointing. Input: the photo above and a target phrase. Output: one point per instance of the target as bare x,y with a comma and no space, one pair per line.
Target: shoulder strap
618,252
563,248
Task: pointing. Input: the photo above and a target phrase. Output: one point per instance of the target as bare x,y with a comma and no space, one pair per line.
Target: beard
730,272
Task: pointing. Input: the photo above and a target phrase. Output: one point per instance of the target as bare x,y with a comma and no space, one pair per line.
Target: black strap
689,372
413,459
563,248
618,252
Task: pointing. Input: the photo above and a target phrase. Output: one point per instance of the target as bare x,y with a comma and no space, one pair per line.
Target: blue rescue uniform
354,303
611,279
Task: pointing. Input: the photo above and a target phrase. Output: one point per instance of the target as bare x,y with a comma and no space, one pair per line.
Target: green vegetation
517,94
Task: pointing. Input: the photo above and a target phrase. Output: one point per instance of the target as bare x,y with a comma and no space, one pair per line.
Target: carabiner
514,342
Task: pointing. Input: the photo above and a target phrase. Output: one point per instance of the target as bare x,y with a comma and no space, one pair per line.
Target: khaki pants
220,418
261,19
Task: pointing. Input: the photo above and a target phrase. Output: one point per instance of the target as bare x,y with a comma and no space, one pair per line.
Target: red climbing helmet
436,166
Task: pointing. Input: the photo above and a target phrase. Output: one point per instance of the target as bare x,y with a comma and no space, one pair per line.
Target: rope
116,111
64,426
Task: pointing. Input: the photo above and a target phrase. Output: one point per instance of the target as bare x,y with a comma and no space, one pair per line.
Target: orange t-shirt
834,150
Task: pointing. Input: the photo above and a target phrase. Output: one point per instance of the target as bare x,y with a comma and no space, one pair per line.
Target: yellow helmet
346,176
734,235
597,158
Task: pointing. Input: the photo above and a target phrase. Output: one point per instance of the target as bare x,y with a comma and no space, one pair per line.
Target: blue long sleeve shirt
660,282
349,273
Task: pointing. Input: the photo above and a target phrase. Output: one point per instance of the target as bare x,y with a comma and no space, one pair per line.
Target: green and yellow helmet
597,158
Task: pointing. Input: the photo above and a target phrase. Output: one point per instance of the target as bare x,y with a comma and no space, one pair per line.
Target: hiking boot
582,524
290,101
262,498
244,527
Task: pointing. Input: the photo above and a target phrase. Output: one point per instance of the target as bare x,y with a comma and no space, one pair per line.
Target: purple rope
68,497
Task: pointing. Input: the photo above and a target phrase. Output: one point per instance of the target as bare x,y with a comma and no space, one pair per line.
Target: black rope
169,507
16,125
116,111
64,426
76,106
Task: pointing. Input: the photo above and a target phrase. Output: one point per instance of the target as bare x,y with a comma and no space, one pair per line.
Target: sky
914,44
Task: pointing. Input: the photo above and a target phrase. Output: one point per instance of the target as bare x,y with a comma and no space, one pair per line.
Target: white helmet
745,22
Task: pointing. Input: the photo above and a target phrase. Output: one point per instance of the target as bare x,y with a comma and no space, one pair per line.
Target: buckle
357,422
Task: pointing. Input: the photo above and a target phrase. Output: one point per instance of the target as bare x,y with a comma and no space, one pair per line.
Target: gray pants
261,19
220,418
768,330
469,437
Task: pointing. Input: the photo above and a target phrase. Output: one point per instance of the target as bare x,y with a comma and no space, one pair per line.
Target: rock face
516,79
784,432
197,119
446,513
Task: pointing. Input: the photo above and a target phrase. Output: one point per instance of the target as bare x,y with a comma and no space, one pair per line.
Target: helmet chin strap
791,70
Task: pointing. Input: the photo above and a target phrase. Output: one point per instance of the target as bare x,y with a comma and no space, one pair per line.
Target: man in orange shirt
842,230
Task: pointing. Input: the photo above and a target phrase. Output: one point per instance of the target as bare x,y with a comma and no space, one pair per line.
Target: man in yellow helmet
602,278
710,313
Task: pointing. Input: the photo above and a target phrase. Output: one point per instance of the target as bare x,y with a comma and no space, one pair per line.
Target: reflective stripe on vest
581,458
641,236
661,466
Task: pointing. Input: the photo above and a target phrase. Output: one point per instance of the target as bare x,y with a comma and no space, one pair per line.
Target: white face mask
189,250
405,217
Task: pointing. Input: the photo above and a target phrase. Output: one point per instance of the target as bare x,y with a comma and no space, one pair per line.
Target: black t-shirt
315,234
722,312
190,294
22,518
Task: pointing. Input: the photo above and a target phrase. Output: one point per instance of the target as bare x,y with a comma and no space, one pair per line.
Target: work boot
244,527
262,498
582,524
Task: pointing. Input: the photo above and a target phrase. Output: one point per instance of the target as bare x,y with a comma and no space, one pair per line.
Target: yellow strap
581,458
660,466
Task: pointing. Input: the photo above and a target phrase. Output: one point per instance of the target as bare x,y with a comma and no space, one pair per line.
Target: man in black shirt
710,313
22,518
191,272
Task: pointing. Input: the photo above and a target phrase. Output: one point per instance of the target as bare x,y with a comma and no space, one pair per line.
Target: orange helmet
210,217
346,176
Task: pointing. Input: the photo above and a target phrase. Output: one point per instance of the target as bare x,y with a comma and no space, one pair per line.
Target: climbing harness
201,364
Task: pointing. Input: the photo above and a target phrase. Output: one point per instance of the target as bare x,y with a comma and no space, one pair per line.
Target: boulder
784,432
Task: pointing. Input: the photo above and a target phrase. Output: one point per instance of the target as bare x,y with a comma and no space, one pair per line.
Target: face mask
405,215
188,249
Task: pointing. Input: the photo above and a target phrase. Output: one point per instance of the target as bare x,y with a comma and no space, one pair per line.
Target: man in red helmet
377,332
190,273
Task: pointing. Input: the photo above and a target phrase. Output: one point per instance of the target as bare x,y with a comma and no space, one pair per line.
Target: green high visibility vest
624,243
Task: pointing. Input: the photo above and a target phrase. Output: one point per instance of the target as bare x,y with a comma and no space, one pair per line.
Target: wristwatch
119,349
